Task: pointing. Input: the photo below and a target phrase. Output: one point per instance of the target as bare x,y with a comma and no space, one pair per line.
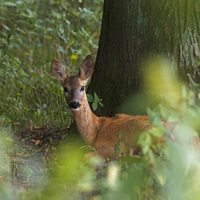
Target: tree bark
133,29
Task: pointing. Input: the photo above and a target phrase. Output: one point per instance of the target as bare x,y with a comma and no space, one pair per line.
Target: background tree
133,29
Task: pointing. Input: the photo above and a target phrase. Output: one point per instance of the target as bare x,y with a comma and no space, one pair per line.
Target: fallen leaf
36,142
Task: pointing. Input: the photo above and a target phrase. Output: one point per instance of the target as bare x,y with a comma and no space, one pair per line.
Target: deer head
74,86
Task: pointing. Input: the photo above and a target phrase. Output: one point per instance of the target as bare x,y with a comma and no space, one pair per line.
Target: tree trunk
132,29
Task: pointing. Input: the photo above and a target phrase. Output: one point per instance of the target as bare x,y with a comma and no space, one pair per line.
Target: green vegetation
42,163
32,33
165,170
96,102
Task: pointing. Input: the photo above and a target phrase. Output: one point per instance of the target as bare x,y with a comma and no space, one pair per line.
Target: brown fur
100,132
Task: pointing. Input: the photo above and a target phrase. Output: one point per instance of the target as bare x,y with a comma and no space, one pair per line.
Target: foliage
168,170
176,169
32,33
96,101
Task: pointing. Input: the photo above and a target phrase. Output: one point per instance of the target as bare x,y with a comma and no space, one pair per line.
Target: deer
102,133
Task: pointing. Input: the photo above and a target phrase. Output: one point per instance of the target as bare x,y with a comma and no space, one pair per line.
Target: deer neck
87,122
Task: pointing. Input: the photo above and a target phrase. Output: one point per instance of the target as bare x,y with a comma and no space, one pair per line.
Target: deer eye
82,88
65,89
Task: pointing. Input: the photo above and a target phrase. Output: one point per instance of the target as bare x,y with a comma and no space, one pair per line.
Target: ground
32,151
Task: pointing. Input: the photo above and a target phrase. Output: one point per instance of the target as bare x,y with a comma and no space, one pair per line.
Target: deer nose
74,105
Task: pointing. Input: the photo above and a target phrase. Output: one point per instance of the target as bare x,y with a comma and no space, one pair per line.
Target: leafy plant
96,101
30,37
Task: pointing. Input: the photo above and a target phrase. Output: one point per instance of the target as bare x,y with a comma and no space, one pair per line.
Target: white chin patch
74,109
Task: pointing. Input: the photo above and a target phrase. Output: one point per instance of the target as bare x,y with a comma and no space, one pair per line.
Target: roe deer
100,132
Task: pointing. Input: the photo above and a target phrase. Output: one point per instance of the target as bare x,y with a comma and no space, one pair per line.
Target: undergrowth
32,33
167,169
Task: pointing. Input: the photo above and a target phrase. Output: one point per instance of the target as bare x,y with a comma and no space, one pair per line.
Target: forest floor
31,152
31,156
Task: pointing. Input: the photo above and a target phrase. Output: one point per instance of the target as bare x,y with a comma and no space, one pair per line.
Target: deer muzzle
74,105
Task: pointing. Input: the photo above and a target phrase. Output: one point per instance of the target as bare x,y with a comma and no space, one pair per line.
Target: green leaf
19,2
27,109
96,98
9,4
94,106
24,118
44,105
79,52
60,48
56,15
90,98
4,41
63,38
100,104
18,61
157,132
38,111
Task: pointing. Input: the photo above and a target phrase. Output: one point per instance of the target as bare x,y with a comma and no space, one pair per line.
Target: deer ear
86,69
58,70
